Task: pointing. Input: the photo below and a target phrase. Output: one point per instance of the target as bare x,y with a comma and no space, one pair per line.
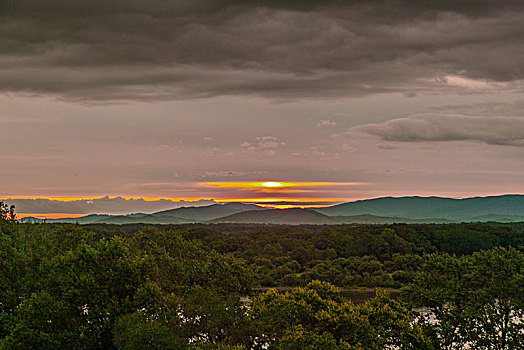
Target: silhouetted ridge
209,212
507,208
433,207
279,216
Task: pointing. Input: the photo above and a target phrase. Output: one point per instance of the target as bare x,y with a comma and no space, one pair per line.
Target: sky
208,99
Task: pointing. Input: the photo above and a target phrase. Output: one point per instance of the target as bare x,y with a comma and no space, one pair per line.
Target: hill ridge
406,209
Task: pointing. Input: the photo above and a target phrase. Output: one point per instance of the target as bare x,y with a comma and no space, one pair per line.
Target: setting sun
271,184
274,184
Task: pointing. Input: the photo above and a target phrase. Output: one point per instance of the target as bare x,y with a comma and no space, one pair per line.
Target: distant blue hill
208,212
508,207
309,217
172,216
88,219
292,216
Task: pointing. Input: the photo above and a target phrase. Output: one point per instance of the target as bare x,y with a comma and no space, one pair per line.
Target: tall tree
7,212
317,317
474,301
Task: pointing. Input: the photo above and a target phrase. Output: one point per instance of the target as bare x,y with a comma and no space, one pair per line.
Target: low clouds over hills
106,205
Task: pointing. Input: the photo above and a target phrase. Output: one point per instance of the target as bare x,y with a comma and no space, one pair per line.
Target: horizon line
243,200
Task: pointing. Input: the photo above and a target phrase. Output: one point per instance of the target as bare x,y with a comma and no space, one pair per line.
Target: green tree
317,317
298,338
67,288
473,300
7,212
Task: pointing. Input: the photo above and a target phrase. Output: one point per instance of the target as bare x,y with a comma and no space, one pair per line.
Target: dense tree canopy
190,287
475,300
66,288
7,212
317,317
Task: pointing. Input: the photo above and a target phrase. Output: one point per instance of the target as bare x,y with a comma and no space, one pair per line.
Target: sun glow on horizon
216,199
49,215
87,198
271,184
269,193
293,206
276,185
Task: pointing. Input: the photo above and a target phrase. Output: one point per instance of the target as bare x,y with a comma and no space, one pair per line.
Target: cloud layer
121,50
507,131
460,62
104,205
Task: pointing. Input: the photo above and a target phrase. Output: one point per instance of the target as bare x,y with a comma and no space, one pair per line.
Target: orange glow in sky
218,200
73,198
269,184
289,206
275,186
277,199
269,193
49,215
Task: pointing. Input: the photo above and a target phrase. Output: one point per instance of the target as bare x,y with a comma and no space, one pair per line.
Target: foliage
348,256
317,317
184,287
66,288
7,212
475,300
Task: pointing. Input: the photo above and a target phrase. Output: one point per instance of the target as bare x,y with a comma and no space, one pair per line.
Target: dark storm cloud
160,49
507,131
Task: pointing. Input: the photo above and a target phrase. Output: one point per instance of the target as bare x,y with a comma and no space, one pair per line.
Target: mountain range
505,208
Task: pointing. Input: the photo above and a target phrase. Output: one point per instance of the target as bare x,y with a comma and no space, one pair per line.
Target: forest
446,286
